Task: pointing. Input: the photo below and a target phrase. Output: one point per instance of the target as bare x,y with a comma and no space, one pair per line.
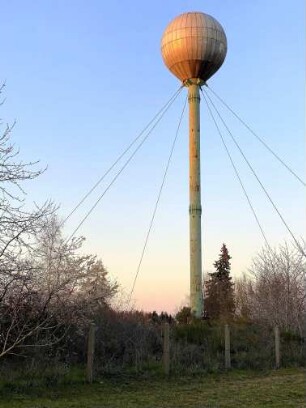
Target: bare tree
18,227
244,292
67,279
55,288
45,285
276,294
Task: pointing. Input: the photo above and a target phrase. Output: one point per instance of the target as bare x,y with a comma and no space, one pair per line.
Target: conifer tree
219,294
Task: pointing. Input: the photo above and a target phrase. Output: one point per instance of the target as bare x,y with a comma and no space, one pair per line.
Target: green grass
275,389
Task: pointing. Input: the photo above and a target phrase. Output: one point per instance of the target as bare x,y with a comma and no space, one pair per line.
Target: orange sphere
194,46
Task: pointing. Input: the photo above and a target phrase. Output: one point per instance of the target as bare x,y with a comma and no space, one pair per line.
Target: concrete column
195,210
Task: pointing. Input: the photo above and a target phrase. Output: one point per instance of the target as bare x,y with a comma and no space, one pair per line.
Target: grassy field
275,389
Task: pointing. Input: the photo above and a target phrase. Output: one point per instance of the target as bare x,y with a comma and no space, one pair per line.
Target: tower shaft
193,48
195,209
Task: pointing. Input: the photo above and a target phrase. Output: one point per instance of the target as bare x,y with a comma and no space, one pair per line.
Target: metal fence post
166,348
90,353
227,346
277,347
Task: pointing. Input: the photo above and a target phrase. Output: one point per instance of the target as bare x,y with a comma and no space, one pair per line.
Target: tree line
272,292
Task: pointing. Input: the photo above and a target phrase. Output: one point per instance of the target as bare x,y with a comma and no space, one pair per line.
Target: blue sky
84,77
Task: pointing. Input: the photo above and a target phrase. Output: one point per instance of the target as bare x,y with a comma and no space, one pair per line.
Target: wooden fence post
227,346
90,353
277,347
166,348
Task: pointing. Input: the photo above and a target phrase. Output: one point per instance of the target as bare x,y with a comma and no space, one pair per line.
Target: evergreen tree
184,315
219,294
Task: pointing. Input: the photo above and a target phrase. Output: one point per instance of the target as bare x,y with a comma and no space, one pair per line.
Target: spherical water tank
194,46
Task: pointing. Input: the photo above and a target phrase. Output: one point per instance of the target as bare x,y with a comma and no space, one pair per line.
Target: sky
83,78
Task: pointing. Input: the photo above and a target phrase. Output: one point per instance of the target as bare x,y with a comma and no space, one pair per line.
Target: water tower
193,48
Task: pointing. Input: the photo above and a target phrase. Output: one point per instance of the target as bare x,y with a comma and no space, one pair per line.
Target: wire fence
197,348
